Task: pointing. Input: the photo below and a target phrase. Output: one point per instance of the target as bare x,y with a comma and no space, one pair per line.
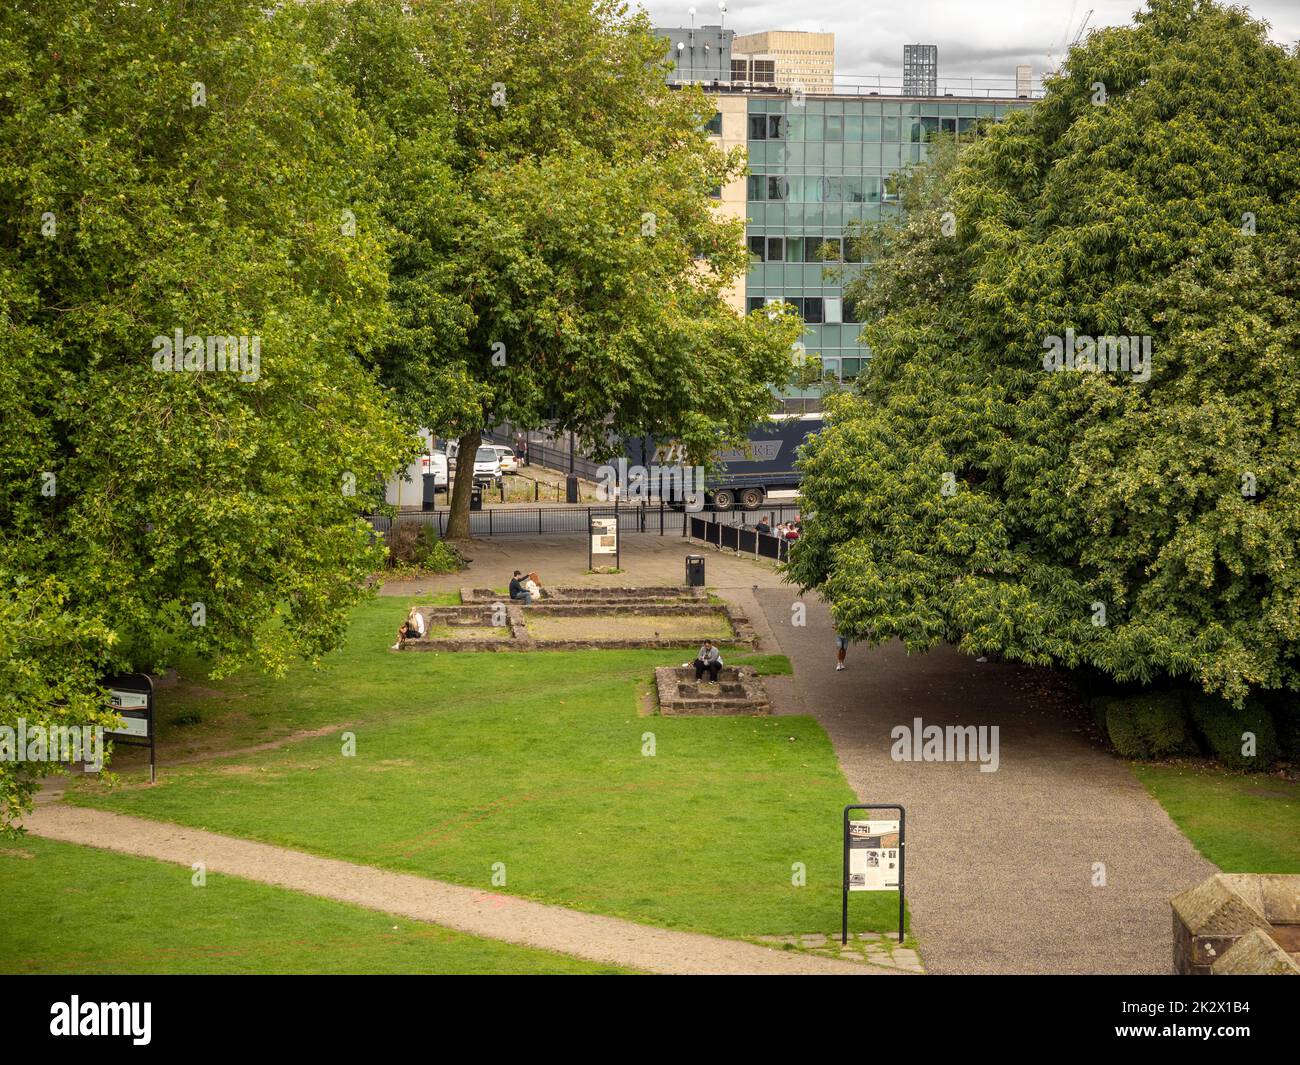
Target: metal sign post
870,854
131,697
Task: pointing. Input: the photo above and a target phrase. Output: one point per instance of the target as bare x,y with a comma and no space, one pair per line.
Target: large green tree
1146,528
557,258
174,166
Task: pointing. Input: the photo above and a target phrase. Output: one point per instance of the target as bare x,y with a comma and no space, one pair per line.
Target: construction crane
1067,42
1082,26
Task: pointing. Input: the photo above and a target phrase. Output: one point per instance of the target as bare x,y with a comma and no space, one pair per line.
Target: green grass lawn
71,909
1243,823
534,760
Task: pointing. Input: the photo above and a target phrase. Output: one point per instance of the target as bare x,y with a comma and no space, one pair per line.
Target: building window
765,71
834,127
757,186
775,249
812,310
778,188
714,125
758,247
758,127
834,314
753,303
739,70
778,127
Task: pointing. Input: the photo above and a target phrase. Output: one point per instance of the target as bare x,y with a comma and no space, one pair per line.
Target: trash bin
695,571
476,497
430,499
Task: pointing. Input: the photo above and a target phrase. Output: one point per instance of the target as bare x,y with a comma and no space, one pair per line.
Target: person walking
841,648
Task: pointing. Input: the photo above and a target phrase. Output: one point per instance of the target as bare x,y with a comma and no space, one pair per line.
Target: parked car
509,461
436,464
487,466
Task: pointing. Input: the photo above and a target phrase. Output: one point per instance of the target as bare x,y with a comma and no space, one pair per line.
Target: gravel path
481,913
1000,865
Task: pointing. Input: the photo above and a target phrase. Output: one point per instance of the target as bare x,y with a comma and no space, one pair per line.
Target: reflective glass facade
814,169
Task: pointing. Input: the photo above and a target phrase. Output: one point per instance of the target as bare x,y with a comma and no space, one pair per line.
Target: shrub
1222,727
1286,719
1149,725
416,544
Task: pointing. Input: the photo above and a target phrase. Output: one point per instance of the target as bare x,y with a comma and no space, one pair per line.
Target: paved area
645,558
514,920
1000,865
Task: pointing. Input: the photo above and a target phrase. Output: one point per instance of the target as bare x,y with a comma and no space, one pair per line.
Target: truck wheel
751,498
724,499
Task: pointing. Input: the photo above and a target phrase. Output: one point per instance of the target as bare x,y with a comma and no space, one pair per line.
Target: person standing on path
841,648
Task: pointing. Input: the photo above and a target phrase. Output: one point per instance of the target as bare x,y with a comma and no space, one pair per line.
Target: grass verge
1243,823
72,909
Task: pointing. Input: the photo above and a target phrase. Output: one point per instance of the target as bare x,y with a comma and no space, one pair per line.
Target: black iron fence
657,518
739,538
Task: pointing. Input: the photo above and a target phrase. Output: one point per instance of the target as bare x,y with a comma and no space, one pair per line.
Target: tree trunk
458,519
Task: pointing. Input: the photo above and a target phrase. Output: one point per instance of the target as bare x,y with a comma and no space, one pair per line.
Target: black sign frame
591,537
140,684
902,864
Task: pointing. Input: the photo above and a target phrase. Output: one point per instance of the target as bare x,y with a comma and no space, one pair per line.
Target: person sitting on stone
412,629
708,659
517,590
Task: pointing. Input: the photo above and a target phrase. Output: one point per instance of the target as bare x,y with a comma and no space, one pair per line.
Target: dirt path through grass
483,913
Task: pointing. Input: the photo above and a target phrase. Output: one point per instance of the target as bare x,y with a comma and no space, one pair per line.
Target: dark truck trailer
748,476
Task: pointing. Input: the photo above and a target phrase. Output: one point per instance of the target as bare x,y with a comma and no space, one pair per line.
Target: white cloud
976,38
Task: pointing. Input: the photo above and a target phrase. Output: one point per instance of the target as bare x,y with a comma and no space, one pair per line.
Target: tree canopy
558,259
1142,525
174,167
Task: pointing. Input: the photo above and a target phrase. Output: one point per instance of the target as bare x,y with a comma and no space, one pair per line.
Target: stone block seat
738,690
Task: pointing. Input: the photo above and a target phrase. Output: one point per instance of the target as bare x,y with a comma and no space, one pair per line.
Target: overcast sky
976,38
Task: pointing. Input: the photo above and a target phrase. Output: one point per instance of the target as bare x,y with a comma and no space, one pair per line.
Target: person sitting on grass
517,590
412,629
708,659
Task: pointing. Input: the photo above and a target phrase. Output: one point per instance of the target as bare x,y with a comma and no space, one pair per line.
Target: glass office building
816,166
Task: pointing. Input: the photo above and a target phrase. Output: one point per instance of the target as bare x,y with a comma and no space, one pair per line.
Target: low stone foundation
738,691
483,608
1238,923
648,594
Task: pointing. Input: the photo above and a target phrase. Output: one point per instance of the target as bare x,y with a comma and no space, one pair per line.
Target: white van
435,463
405,489
487,466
